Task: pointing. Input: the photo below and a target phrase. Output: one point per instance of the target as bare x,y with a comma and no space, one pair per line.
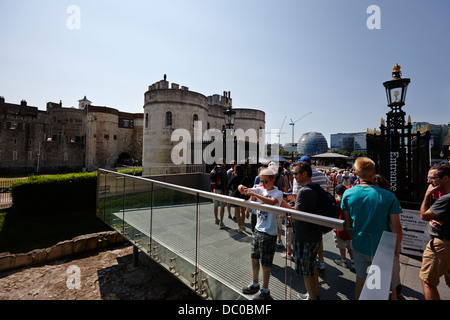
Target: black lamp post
229,117
401,155
229,142
396,132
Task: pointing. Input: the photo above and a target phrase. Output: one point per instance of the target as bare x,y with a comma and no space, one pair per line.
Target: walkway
225,255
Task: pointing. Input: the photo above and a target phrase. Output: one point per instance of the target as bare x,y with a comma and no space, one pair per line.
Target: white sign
415,233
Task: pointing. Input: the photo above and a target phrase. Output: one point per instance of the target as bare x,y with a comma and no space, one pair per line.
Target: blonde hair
365,167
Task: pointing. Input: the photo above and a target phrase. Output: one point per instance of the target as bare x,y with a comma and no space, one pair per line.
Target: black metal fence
402,156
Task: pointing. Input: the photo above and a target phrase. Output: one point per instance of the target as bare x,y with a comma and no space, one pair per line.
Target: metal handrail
295,214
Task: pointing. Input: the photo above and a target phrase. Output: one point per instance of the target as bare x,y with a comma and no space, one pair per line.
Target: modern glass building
349,141
312,143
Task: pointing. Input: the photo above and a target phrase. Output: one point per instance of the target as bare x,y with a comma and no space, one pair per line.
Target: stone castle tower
167,108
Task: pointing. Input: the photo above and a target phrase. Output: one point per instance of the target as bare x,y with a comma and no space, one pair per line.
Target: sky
319,61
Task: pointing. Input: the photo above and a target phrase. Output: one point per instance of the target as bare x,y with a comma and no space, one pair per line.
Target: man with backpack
308,236
218,182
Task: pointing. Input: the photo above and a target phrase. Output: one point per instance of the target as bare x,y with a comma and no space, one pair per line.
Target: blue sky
287,58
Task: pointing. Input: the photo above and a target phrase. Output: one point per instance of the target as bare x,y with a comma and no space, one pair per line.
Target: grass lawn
20,234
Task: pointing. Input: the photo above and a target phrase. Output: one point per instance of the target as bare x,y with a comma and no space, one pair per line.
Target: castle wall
89,137
65,139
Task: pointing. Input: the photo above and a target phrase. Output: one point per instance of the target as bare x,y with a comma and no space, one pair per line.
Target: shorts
218,203
362,263
435,262
305,257
263,248
342,244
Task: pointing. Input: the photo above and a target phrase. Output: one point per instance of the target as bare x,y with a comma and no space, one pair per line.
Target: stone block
117,238
104,239
79,244
39,256
54,252
6,262
22,260
66,247
92,242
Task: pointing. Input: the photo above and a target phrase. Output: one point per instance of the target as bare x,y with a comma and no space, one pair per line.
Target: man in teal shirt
369,210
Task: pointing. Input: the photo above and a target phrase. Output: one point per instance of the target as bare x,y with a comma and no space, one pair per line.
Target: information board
415,233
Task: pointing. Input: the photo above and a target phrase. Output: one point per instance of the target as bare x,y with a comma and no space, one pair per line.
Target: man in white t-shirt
264,240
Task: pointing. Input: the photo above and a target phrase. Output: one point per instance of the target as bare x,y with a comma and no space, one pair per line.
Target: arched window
194,118
168,118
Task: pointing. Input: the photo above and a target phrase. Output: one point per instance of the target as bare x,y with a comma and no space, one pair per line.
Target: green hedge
43,195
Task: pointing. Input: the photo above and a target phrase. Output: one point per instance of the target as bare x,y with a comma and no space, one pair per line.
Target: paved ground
104,275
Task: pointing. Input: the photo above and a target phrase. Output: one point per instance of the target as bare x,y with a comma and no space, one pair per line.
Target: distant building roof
329,155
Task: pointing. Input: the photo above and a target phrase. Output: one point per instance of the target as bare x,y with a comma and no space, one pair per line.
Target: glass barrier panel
137,212
101,195
222,266
174,238
112,202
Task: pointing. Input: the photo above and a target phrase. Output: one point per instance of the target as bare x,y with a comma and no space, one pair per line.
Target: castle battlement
164,84
213,100
220,100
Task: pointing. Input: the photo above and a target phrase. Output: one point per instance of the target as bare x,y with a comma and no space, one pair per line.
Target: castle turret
83,103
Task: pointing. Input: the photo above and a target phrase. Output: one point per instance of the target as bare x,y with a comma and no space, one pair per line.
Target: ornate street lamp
396,89
229,117
230,143
396,95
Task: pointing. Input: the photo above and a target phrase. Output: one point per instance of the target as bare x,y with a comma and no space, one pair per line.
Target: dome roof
312,143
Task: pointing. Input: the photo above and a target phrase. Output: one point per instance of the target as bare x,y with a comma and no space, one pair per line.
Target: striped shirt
317,177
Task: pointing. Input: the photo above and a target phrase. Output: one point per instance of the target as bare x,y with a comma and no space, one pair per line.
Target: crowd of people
367,205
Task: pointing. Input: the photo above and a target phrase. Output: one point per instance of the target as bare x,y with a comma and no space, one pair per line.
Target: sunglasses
265,181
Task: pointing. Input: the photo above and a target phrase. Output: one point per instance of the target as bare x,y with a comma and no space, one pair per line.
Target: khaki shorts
342,244
436,262
218,203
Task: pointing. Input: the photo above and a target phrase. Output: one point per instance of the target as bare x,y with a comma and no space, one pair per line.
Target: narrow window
168,118
194,118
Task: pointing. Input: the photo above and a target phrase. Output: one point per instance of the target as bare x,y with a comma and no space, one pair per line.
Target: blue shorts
362,263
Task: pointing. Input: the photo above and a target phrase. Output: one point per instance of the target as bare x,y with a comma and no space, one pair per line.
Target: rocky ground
100,275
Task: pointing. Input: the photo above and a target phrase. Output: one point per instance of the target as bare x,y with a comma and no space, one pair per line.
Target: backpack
216,178
326,205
